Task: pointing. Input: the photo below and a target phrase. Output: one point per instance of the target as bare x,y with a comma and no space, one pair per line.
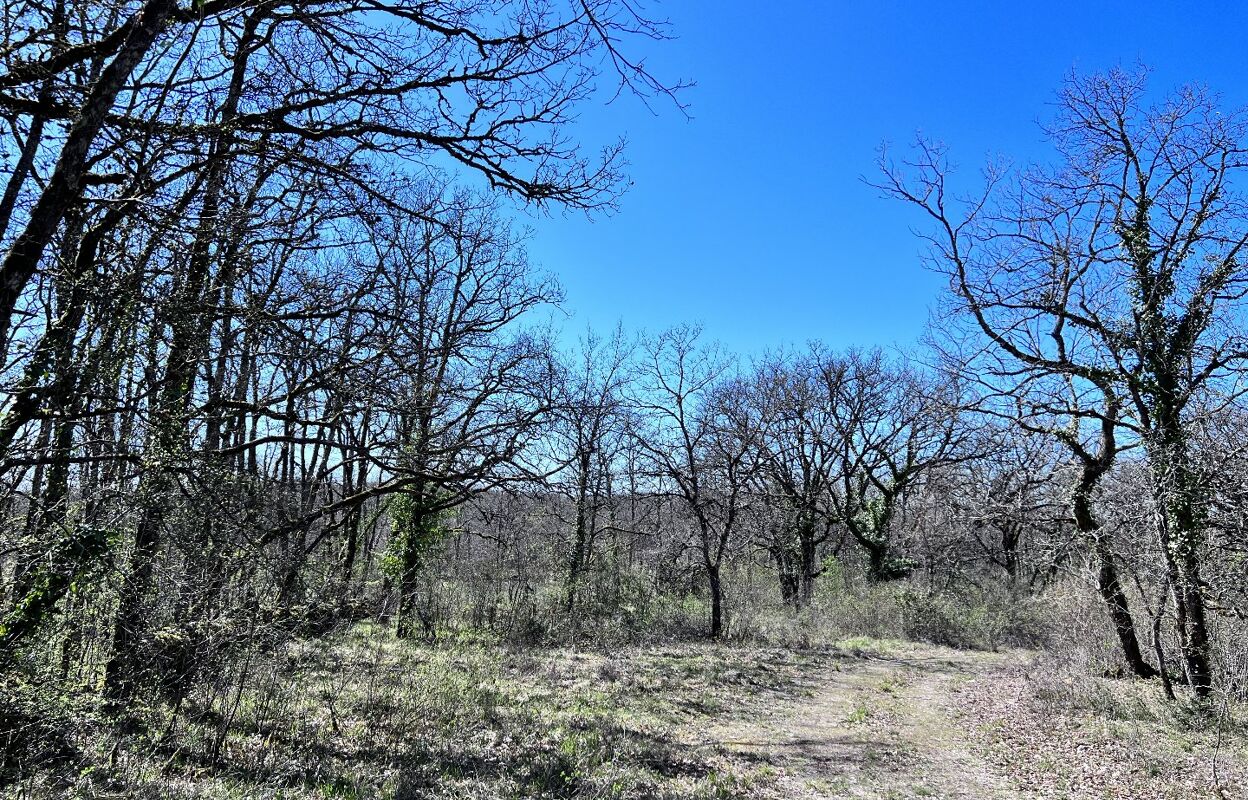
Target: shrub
972,619
36,732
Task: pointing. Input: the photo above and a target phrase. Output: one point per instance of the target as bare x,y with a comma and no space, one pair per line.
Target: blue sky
751,218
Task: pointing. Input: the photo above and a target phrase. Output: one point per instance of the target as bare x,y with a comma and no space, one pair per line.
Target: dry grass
1063,732
362,715
366,716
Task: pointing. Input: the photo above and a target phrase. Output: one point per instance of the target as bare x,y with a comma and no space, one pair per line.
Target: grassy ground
366,716
1064,733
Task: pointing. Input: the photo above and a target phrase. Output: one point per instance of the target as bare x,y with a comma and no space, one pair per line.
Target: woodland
305,495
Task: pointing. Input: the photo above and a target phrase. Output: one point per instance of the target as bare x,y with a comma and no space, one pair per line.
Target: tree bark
576,563
1107,582
809,570
415,528
1179,533
717,601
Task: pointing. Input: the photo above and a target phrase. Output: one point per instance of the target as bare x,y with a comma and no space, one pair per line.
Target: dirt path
876,726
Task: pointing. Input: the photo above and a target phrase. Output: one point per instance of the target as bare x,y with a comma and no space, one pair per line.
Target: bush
35,732
846,605
973,619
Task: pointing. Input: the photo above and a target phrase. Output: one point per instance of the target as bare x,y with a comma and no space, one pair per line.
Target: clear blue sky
751,218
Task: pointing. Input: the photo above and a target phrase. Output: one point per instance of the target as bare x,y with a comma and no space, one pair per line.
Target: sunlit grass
364,715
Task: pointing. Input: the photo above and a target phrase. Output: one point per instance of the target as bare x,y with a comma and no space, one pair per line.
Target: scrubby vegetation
466,713
622,707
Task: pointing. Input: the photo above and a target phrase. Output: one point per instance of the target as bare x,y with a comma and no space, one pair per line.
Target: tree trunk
1119,612
877,553
717,601
1180,532
790,583
414,527
1010,537
809,566
122,671
1107,572
1179,544
576,563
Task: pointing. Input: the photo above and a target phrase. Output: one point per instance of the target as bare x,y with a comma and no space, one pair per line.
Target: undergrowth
362,715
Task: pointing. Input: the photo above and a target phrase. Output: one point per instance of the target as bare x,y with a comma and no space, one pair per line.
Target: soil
876,726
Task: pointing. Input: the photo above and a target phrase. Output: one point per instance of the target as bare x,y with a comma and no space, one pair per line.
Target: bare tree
182,319
697,431
467,391
799,466
1120,268
589,428
1010,500
891,425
